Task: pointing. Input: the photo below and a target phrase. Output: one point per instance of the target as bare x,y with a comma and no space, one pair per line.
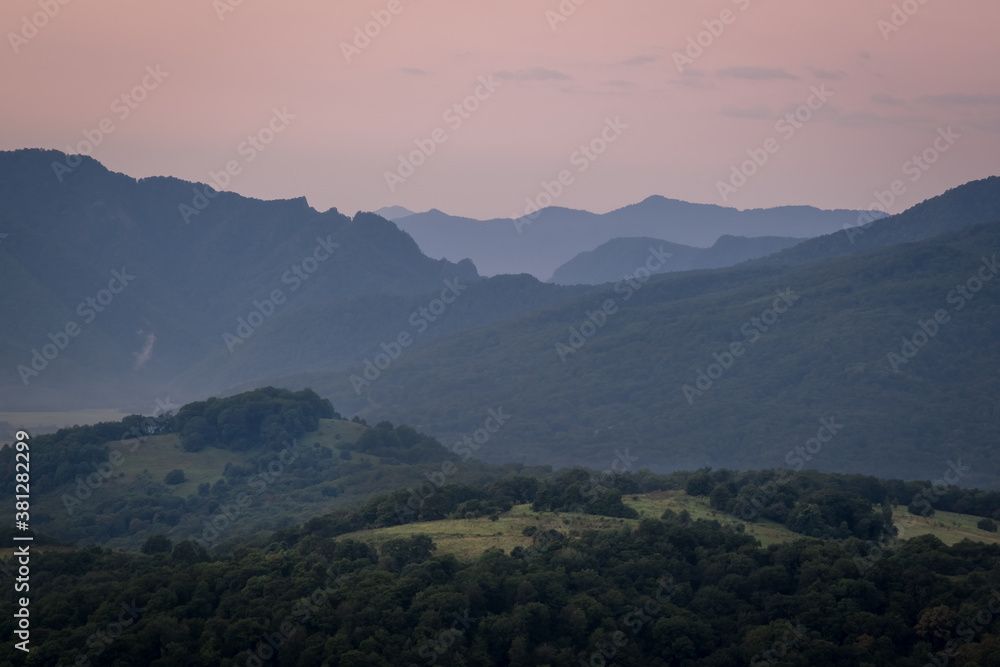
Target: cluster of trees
579,490
402,444
662,593
267,417
830,511
832,505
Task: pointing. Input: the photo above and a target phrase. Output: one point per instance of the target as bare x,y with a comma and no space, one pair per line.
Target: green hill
638,377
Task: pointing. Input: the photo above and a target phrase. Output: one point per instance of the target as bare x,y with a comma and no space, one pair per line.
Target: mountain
625,256
393,212
972,203
540,244
126,290
699,369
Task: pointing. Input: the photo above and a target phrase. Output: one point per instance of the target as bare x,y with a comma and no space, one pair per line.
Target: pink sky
557,88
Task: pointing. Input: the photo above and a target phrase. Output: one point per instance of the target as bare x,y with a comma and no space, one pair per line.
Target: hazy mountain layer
619,258
539,243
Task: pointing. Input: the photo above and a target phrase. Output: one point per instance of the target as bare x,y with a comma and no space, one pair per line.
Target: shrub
175,476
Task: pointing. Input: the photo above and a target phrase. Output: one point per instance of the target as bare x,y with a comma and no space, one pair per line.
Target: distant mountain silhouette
393,212
611,261
539,246
972,203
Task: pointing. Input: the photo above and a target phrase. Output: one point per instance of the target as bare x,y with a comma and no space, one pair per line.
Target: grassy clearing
159,454
467,539
948,527
652,505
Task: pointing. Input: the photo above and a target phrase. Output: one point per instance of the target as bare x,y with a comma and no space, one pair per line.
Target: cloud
619,83
757,112
755,73
887,99
147,351
533,74
639,60
870,119
961,100
694,79
416,71
827,74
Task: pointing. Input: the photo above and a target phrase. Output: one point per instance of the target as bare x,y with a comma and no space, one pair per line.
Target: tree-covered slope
655,371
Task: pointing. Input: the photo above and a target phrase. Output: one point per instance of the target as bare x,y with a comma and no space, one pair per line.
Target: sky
589,104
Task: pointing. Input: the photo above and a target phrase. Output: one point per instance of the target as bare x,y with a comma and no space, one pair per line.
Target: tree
157,544
175,476
699,484
720,496
988,525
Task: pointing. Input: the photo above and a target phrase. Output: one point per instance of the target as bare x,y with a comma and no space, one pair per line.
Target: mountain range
124,291
624,256
540,243
740,366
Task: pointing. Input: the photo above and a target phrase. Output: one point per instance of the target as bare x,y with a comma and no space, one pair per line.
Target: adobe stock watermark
605,651
930,494
915,168
899,17
787,127
122,106
302,610
584,156
565,9
229,514
88,310
248,149
714,28
629,285
223,7
928,329
752,331
967,629
779,648
99,641
465,447
420,320
103,471
620,464
455,116
439,645
924,497
381,18
294,276
796,457
30,26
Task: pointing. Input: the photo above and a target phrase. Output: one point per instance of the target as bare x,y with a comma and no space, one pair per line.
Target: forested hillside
733,368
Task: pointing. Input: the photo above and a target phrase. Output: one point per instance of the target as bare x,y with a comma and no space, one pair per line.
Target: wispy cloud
416,71
639,60
820,73
755,73
871,119
619,83
695,79
757,112
887,100
961,100
533,74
